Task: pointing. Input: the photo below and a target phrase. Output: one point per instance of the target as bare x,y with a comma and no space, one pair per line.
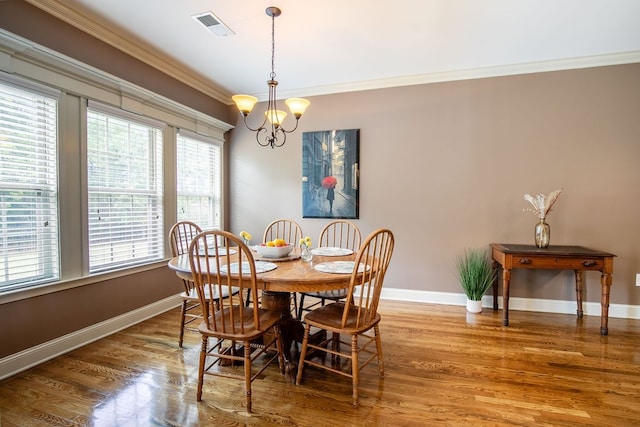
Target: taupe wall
445,166
445,171
29,322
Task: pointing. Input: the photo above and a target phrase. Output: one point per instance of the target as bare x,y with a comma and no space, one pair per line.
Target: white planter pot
474,306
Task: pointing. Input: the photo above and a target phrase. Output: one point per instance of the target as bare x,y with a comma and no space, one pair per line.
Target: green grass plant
475,272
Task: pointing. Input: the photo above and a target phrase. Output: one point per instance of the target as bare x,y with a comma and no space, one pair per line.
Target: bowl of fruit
277,248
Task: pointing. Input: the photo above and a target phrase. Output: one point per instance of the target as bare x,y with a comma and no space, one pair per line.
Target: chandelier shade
297,106
245,103
271,132
276,117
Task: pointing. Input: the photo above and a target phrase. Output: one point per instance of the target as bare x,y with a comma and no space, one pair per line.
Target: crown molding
154,58
469,74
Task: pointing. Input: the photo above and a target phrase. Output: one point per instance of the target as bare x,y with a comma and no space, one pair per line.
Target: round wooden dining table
292,274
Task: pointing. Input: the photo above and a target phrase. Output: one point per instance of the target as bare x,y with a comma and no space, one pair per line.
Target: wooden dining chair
257,329
181,235
356,317
339,233
286,229
291,232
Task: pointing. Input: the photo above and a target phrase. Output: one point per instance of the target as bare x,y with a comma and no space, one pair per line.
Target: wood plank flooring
442,367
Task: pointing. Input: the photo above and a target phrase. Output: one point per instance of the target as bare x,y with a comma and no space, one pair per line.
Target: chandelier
270,132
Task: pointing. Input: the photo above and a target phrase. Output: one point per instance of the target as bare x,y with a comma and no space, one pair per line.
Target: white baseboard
622,311
33,356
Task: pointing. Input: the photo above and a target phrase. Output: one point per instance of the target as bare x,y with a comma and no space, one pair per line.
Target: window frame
77,83
45,264
149,187
215,178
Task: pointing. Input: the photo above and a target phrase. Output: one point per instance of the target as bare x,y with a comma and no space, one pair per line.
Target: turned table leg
605,280
291,329
579,285
506,278
495,287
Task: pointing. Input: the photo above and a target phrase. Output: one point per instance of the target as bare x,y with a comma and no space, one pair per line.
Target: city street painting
330,174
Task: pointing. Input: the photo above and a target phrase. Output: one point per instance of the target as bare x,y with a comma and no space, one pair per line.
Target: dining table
278,278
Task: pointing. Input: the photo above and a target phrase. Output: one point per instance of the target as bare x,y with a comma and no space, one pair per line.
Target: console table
576,258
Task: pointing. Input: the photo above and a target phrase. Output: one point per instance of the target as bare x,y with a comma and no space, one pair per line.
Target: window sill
34,291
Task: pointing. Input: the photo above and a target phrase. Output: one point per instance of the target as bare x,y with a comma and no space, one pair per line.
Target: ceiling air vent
213,24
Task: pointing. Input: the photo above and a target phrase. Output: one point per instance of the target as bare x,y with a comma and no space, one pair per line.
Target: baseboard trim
36,355
623,311
33,356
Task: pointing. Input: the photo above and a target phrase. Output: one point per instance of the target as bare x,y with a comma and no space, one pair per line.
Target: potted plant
476,273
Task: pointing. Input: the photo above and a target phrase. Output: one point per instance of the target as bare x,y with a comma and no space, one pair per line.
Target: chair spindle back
340,234
286,229
364,291
210,267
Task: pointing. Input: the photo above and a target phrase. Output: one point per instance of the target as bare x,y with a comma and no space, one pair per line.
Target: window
199,188
124,176
28,187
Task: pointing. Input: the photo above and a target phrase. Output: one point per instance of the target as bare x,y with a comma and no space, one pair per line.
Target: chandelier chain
273,47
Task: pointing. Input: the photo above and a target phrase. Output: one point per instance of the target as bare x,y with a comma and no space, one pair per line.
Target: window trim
153,125
75,82
206,140
33,89
41,65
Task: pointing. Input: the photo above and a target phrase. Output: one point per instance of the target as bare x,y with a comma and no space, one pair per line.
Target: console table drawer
560,263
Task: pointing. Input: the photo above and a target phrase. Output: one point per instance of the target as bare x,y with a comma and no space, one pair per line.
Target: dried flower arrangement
542,204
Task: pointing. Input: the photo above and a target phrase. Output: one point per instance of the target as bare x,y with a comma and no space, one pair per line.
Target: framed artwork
330,174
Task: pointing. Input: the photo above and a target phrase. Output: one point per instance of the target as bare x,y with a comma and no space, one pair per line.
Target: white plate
331,251
261,267
340,267
221,252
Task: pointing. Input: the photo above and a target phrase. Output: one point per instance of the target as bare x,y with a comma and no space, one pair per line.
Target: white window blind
199,176
28,187
124,160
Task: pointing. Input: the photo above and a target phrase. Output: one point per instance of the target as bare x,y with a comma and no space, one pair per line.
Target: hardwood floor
442,367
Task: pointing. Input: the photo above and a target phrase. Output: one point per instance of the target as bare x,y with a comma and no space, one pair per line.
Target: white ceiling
329,46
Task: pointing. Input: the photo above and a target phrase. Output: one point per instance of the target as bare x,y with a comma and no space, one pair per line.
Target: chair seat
329,317
333,294
193,294
233,316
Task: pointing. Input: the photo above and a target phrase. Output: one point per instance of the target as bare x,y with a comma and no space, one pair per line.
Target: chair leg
279,348
203,356
303,353
247,375
183,316
248,297
295,304
355,367
300,307
335,346
376,330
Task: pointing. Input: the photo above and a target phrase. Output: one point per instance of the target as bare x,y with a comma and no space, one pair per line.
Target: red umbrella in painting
329,182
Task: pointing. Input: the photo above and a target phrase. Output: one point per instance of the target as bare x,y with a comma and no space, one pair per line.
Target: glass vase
306,254
542,234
